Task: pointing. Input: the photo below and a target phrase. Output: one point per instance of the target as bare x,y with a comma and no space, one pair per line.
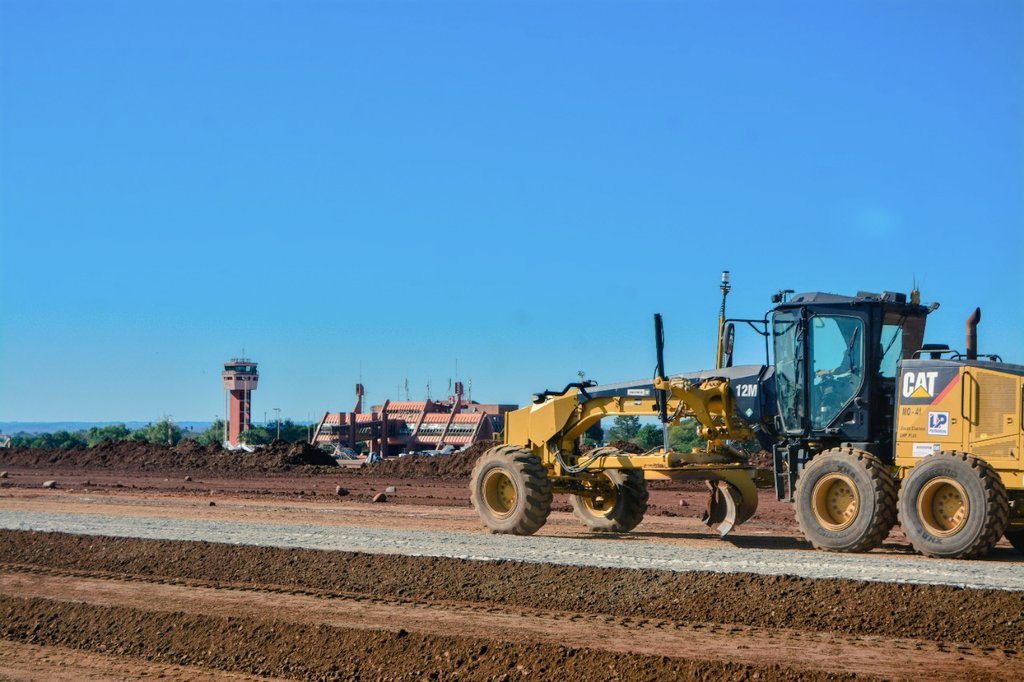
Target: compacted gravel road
619,552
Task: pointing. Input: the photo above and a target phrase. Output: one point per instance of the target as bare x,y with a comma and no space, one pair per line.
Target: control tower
240,379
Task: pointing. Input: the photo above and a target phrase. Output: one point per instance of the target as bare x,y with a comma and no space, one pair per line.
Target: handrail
963,392
539,398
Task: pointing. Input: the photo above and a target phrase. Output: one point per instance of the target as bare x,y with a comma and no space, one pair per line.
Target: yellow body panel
969,408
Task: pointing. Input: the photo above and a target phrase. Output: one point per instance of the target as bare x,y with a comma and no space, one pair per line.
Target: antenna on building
428,390
407,389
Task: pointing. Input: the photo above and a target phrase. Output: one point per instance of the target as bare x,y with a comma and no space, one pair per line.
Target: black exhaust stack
662,396
972,334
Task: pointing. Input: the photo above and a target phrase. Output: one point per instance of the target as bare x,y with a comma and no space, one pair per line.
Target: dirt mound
188,455
620,445
283,454
762,459
627,447
458,465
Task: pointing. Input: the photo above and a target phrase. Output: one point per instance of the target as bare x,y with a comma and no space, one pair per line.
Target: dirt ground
94,608
312,614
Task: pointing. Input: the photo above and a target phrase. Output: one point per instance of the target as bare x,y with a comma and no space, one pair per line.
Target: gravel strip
619,552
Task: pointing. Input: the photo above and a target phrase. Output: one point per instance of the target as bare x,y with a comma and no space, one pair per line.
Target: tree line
163,432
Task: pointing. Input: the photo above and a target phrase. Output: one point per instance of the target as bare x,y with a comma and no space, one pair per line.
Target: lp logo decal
938,423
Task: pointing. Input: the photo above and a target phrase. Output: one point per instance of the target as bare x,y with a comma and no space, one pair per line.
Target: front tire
846,501
620,509
510,491
953,505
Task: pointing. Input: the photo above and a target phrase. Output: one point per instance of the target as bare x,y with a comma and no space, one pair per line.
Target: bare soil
334,615
75,606
189,455
298,470
186,455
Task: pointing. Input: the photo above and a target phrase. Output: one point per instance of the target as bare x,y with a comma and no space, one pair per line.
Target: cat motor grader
862,426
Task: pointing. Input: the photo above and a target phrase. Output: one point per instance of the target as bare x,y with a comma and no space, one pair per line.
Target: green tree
594,435
649,437
58,440
214,434
256,435
290,431
163,432
22,440
624,428
112,432
684,438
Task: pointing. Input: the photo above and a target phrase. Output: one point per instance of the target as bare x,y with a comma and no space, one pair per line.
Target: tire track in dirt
711,642
272,647
31,663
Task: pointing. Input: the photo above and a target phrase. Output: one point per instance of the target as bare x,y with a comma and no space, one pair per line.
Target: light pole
278,411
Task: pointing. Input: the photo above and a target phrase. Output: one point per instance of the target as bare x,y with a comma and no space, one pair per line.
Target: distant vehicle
5,440
345,453
446,450
443,452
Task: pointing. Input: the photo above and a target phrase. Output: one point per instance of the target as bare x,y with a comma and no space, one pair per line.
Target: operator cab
836,361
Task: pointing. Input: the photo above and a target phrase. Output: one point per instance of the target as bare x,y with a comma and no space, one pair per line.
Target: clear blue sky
515,185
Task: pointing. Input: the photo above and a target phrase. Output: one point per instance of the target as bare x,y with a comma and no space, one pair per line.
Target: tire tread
633,492
886,491
996,499
537,497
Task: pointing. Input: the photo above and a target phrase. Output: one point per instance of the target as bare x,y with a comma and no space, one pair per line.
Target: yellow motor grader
863,430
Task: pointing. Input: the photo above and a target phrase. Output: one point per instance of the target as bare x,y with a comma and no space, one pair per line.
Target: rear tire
953,505
618,512
510,491
846,501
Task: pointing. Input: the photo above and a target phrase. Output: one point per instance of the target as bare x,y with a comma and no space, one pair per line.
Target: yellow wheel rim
500,492
835,501
943,507
603,501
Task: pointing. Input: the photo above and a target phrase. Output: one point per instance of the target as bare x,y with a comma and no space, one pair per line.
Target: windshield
837,365
788,369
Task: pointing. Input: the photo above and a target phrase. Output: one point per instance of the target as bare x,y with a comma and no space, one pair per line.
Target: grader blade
733,500
722,505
